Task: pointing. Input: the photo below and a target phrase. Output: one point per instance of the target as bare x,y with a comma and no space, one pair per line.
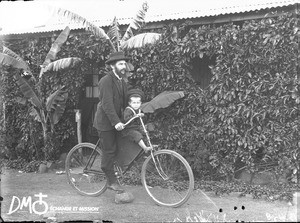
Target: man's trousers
109,149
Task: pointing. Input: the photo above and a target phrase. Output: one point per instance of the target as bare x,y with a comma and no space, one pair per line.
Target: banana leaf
136,23
62,64
11,53
56,104
140,40
11,61
163,100
34,113
20,100
114,32
55,48
97,31
27,91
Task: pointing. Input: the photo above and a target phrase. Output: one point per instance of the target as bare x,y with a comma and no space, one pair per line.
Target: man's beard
120,73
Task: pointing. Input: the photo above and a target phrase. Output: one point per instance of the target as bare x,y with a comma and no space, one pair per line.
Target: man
113,100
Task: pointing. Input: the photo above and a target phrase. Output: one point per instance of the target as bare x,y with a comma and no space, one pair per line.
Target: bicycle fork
157,166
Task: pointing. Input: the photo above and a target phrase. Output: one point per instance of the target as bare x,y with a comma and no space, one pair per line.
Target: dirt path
64,204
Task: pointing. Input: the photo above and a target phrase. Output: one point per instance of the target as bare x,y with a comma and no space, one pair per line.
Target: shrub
250,113
254,98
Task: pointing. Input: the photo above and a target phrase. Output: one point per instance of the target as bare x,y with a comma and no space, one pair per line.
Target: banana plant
116,41
47,111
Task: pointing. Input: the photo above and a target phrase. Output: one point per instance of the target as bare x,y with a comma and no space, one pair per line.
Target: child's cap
135,93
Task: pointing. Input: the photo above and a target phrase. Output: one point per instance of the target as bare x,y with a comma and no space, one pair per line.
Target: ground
63,203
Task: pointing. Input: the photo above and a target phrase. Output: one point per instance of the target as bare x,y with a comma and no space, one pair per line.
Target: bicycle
166,175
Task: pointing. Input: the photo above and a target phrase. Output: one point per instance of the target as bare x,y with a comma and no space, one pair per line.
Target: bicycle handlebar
130,120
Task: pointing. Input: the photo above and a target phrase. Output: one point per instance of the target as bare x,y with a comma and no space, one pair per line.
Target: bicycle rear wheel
171,181
89,181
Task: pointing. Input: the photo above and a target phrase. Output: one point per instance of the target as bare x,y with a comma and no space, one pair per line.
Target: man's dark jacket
112,96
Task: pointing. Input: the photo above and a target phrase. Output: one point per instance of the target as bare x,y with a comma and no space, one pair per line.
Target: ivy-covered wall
249,114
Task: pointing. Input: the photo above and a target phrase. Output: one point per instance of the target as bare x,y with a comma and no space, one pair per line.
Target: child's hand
141,115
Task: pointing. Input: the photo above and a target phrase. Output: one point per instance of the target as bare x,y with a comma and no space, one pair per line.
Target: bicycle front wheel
168,178
83,169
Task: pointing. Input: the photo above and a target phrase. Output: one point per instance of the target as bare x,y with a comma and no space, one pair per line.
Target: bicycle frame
91,160
157,166
92,157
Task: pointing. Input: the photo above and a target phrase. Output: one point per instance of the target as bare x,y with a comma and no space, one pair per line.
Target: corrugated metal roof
102,12
194,9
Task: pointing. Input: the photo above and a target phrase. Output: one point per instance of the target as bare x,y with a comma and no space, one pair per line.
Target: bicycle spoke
83,168
79,162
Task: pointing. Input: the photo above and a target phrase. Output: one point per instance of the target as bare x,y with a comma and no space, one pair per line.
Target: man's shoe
115,187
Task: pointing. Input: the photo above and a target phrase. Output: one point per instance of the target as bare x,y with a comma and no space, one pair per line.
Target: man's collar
119,78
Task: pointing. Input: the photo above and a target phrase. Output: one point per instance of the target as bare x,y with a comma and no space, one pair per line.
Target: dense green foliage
23,134
249,115
254,97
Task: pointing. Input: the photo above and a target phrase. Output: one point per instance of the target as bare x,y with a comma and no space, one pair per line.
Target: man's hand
120,126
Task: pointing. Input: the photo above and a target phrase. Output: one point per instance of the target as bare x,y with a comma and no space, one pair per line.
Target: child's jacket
128,114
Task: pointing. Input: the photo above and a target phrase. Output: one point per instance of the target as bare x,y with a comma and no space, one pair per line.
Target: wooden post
78,120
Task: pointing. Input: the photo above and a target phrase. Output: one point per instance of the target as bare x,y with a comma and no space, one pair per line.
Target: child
133,129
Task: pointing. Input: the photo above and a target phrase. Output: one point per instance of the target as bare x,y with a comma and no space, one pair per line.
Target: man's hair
113,62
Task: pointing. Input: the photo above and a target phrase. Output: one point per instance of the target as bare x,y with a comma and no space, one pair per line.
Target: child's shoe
147,149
